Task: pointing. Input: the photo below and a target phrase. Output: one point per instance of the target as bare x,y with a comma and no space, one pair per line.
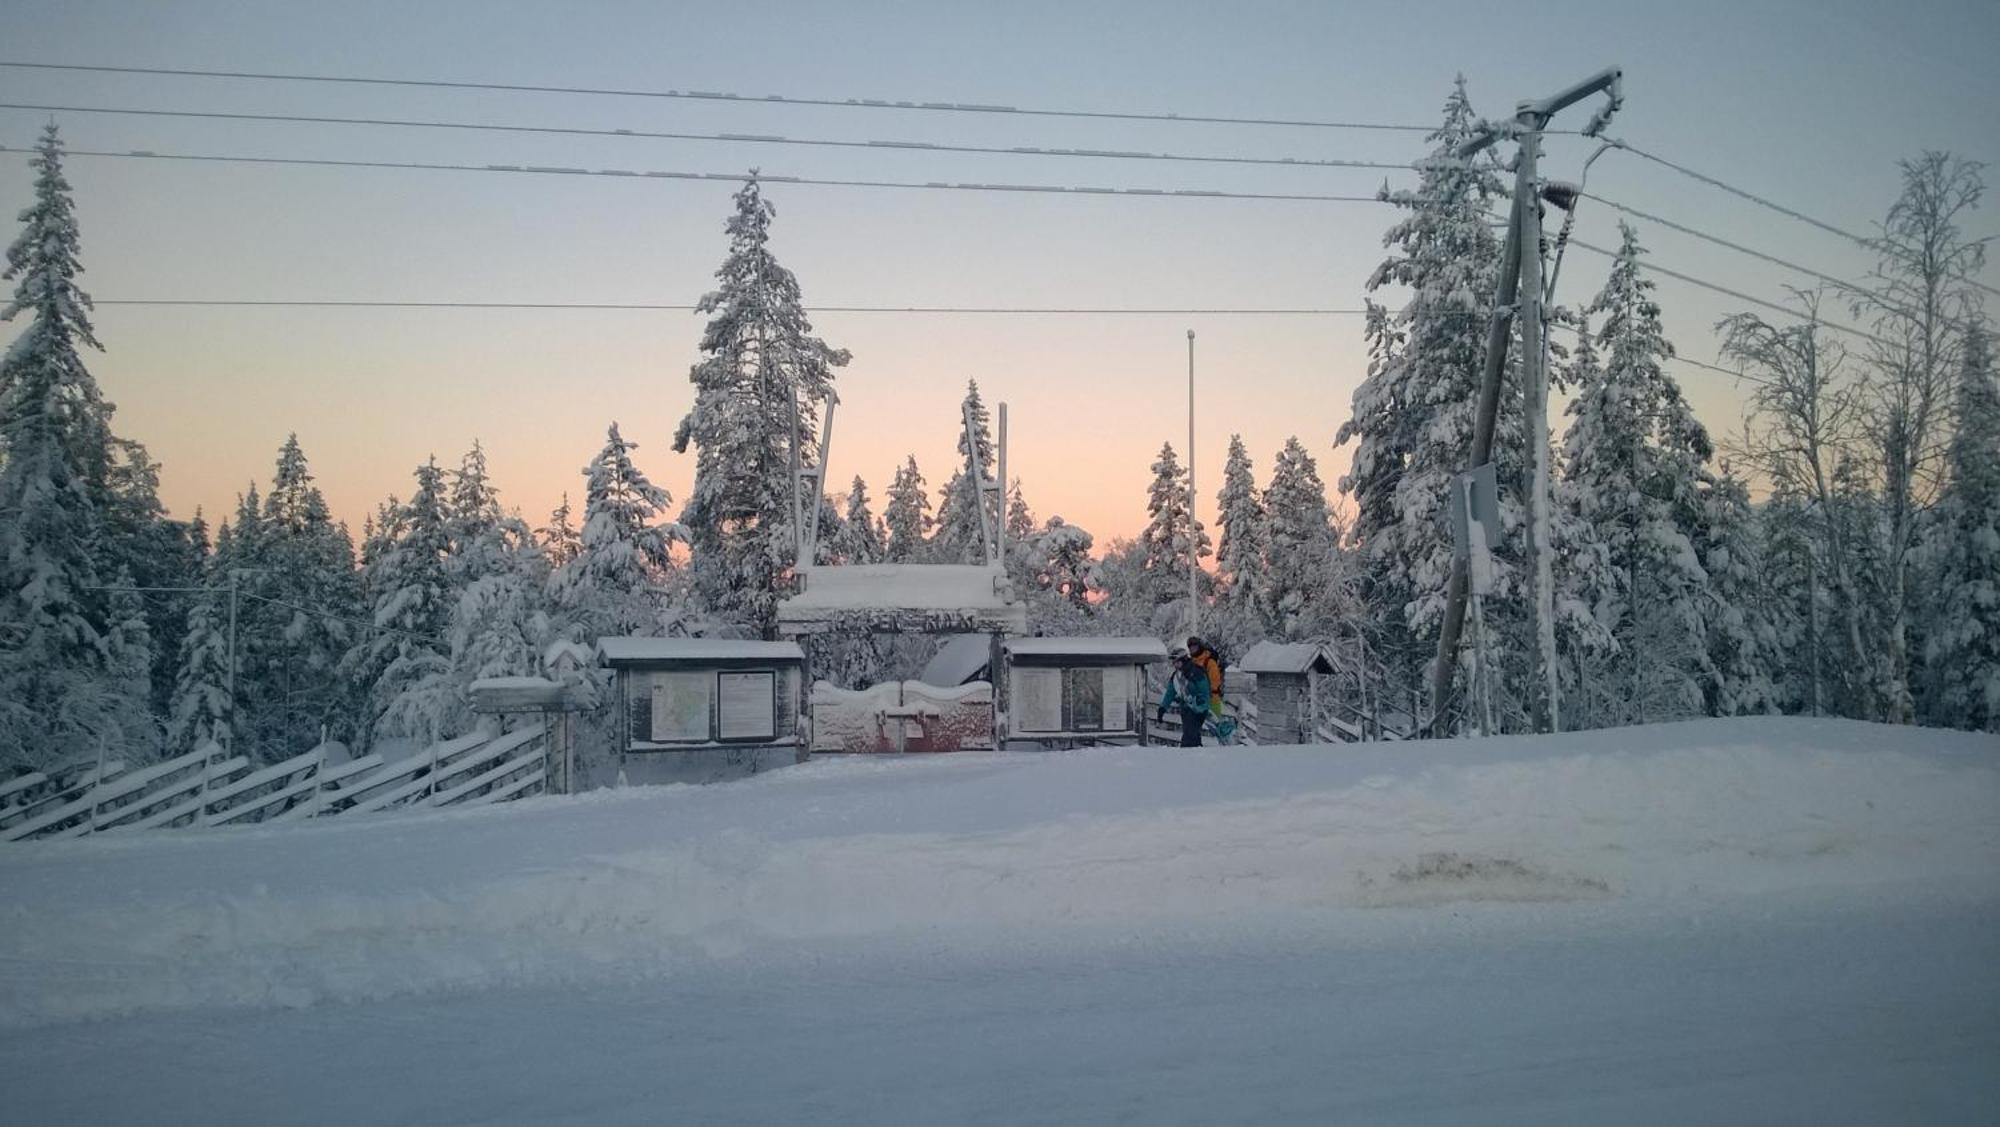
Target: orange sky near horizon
1747,92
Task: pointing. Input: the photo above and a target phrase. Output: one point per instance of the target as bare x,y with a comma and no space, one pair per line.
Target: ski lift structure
825,601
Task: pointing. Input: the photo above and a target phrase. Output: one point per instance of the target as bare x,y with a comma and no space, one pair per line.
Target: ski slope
1730,921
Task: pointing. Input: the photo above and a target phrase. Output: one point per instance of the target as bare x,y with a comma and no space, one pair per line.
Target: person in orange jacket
1208,661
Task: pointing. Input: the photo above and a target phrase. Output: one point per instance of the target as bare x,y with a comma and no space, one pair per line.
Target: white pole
1537,411
1000,536
1194,541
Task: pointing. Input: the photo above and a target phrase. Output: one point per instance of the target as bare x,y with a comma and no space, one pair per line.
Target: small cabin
708,694
1286,710
1063,692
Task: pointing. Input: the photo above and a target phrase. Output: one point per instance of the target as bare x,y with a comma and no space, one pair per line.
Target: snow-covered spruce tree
559,538
201,706
154,551
615,584
498,622
1171,531
759,388
1413,414
1635,473
1054,573
958,516
860,539
1963,650
61,695
1795,600
499,628
1064,568
1592,696
1245,537
1020,530
1299,579
1743,655
907,519
129,646
475,503
298,602
412,597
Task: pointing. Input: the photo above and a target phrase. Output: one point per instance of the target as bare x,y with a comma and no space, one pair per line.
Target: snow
1748,920
1283,657
696,650
509,684
960,659
1136,649
836,592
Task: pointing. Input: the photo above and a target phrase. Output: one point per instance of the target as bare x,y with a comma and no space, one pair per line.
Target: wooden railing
207,787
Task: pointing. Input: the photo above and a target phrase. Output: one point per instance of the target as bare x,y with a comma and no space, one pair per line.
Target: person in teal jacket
1188,688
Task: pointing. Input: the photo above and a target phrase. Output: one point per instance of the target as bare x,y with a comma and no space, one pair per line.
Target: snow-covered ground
1744,921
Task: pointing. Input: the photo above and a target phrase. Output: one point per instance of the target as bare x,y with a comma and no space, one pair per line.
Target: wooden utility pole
1520,291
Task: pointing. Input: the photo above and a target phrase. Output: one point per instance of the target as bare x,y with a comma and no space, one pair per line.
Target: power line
1737,294
1742,193
1851,288
1841,283
1717,368
729,138
712,96
1113,311
736,177
727,177
365,624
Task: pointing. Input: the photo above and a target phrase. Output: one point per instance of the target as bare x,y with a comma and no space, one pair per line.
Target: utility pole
1520,290
1194,539
1535,404
1000,455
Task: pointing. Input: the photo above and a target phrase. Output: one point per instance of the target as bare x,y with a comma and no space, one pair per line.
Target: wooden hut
1286,710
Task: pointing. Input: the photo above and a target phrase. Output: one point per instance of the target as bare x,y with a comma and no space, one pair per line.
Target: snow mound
1440,878
1085,850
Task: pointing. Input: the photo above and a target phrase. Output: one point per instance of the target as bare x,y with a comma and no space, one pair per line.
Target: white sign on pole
1475,523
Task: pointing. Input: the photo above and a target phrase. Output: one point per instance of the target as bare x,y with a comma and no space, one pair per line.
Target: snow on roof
615,650
1136,649
837,592
960,659
515,694
560,650
1286,657
504,683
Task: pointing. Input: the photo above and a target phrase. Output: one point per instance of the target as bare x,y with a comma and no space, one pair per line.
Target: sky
1809,104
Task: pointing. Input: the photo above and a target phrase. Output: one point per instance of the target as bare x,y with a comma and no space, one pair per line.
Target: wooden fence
208,787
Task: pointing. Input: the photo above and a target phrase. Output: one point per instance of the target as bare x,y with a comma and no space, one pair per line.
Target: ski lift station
751,699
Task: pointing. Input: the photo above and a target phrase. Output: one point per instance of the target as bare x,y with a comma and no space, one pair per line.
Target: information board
680,707
1117,699
1037,704
1086,700
748,705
